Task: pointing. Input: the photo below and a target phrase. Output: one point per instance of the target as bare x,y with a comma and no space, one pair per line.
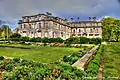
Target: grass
43,54
112,61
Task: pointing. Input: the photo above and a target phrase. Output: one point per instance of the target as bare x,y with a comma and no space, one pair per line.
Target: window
90,30
24,26
30,26
90,34
73,31
96,30
39,31
61,34
24,31
20,26
73,34
84,34
79,34
79,30
96,34
39,25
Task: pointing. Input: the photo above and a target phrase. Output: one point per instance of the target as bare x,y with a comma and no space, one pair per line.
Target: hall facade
46,25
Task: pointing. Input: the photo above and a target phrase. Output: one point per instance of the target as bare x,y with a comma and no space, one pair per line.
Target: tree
107,28
116,30
5,31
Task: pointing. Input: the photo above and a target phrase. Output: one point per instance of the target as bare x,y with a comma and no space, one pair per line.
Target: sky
12,10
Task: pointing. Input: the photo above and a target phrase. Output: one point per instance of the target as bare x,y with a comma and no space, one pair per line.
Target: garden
22,69
23,58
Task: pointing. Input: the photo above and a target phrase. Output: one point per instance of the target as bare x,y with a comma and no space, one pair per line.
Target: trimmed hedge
82,40
71,40
93,66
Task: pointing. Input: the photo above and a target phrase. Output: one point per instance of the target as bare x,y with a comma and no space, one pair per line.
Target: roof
86,22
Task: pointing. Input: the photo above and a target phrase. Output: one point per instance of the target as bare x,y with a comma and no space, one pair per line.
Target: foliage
15,35
95,41
82,40
93,66
34,71
73,57
4,30
110,29
1,57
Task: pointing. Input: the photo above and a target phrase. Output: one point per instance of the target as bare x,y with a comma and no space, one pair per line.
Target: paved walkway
82,62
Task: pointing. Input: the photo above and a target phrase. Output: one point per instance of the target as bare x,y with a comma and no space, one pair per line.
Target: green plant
1,57
93,66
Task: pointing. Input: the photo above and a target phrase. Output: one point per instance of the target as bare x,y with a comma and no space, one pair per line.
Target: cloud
12,10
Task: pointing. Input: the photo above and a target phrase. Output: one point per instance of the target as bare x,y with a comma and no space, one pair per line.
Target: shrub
9,67
93,66
15,39
72,40
33,39
15,35
95,41
84,40
59,40
16,60
45,40
1,57
24,38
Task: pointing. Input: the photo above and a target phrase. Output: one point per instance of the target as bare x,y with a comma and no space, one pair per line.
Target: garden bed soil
100,73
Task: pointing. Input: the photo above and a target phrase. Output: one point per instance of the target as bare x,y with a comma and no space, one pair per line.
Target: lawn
112,61
43,54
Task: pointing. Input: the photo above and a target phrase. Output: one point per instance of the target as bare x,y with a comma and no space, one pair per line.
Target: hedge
93,66
71,40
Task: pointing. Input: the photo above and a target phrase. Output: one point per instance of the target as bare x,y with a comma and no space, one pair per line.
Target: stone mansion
46,25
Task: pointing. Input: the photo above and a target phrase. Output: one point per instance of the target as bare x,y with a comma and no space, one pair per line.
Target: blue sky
12,10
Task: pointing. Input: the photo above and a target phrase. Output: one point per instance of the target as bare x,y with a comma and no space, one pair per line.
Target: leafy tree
107,28
5,31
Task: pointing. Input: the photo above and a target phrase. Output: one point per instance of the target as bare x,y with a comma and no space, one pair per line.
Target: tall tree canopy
110,29
5,31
